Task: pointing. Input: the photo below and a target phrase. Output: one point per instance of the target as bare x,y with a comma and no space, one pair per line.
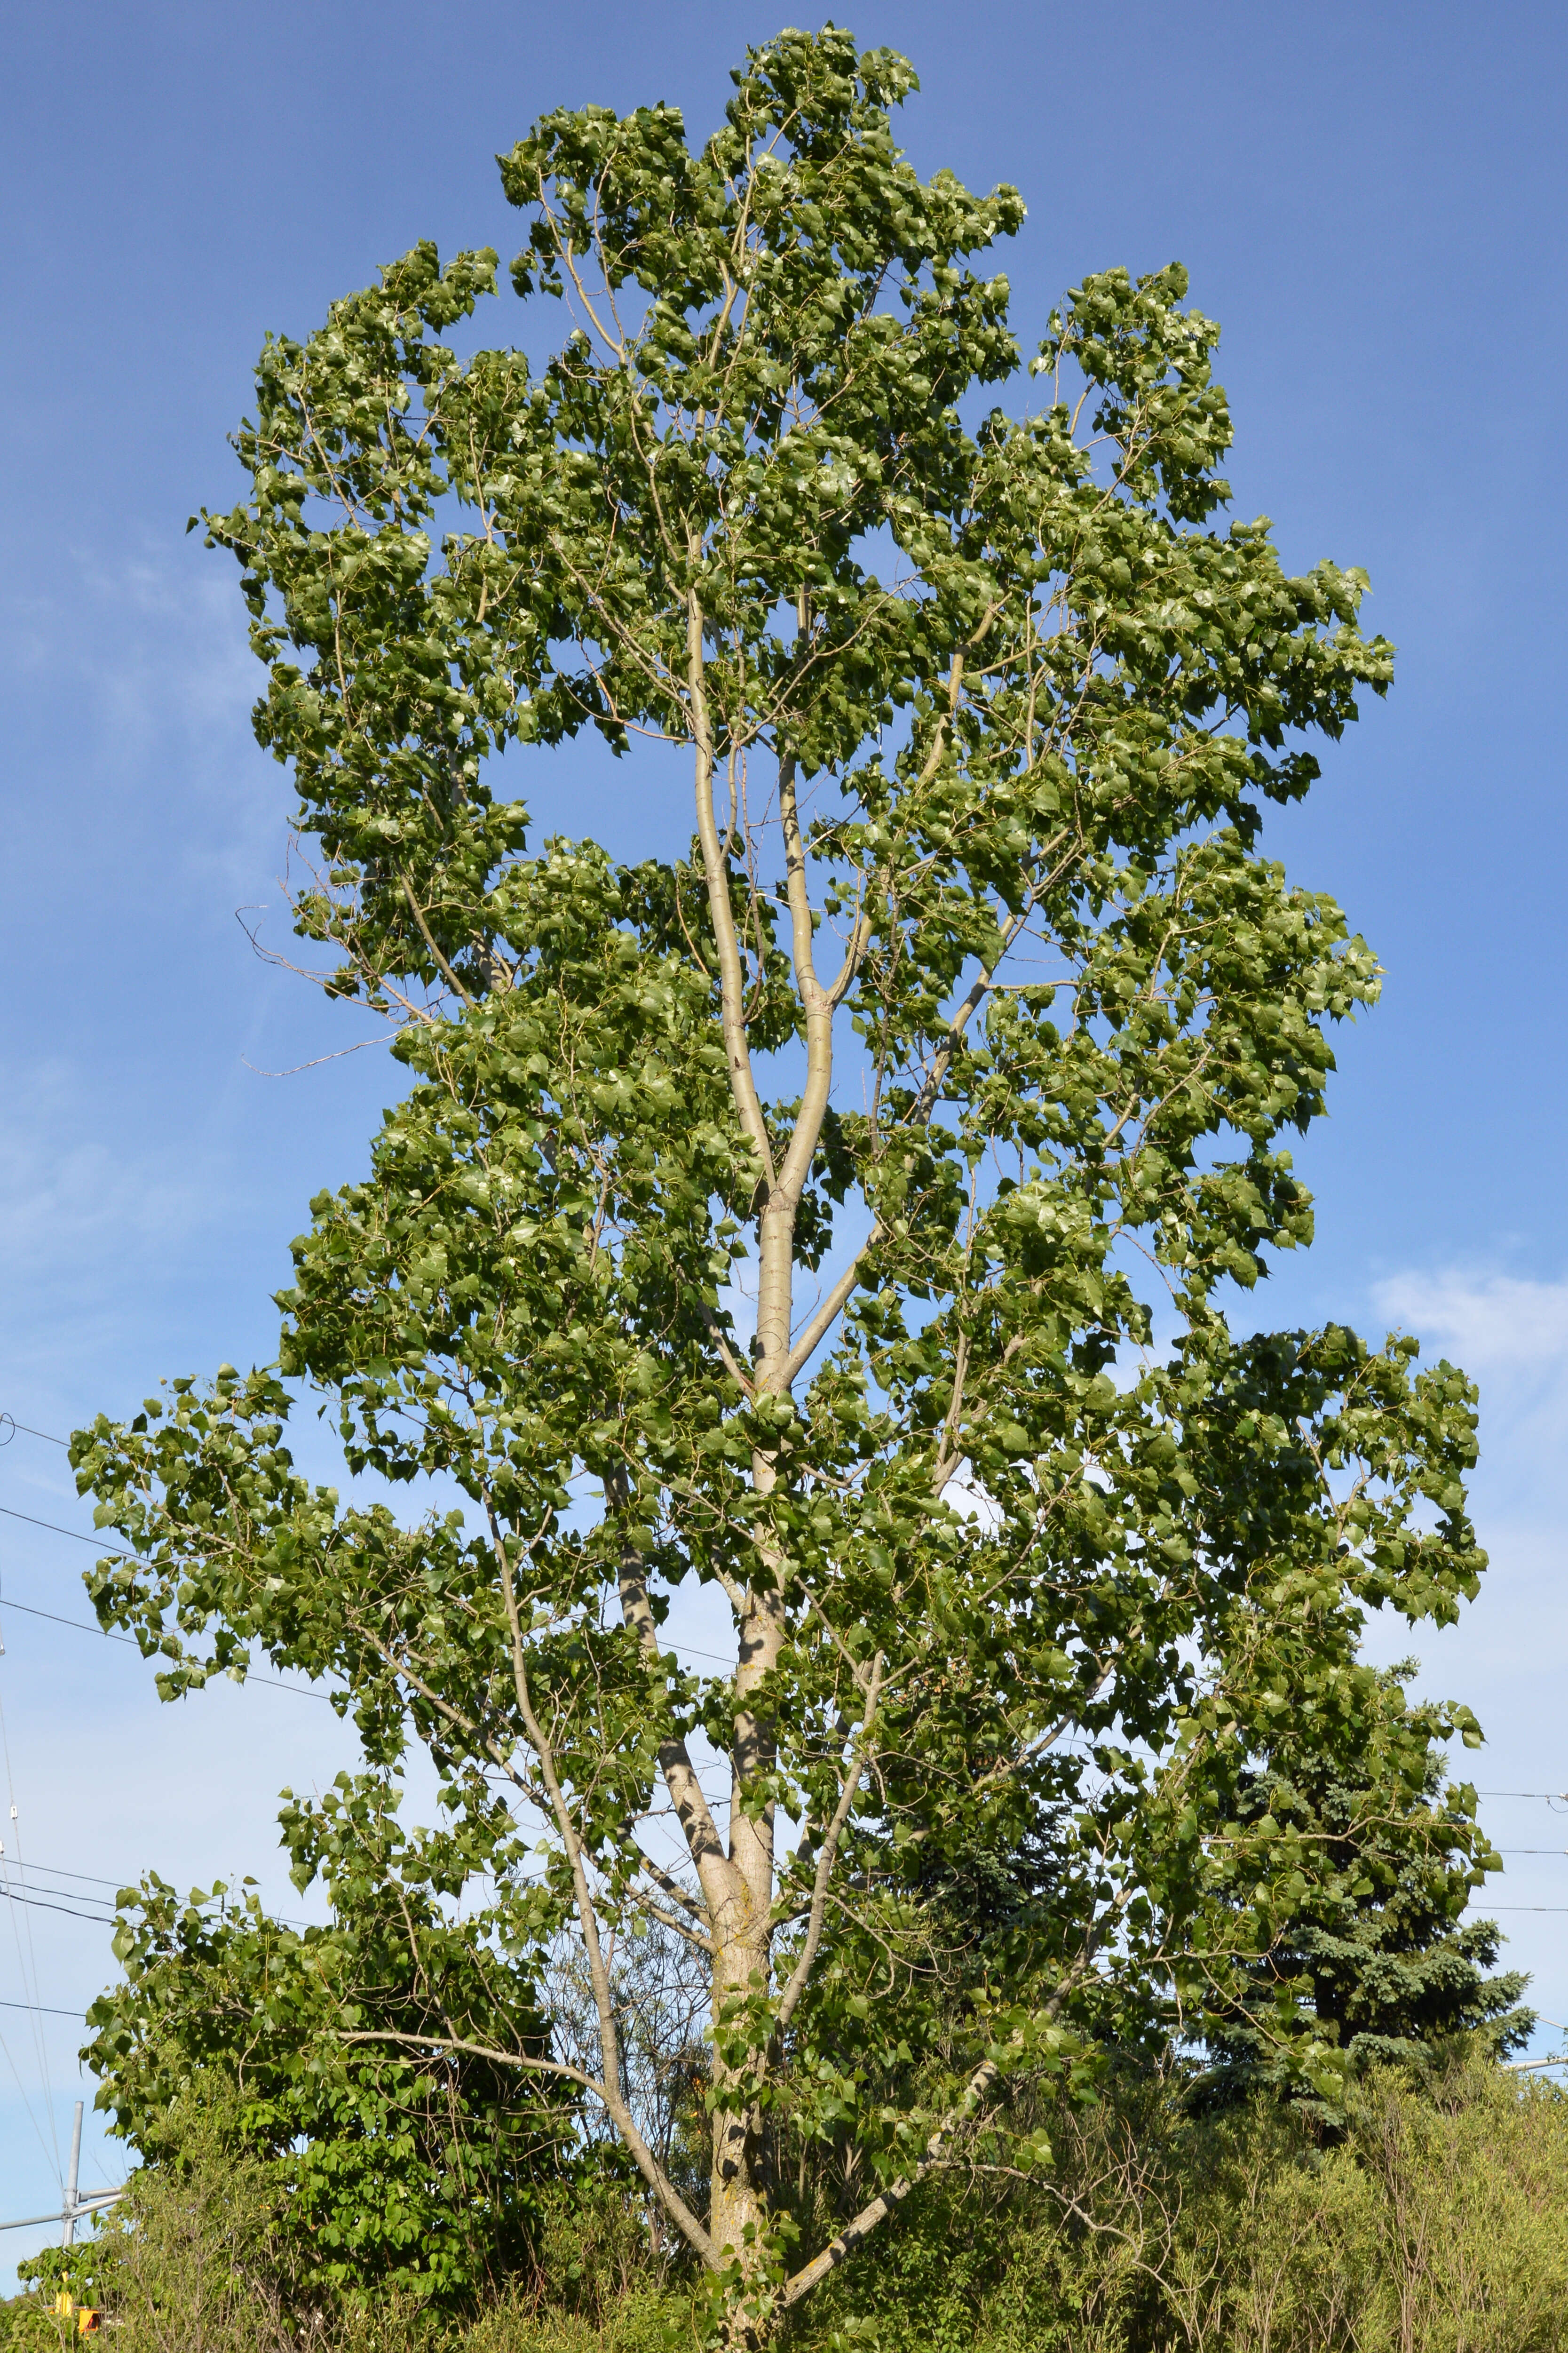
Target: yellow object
65,2303
87,2321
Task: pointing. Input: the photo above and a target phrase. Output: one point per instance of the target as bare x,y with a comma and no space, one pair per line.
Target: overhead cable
8,1422
40,1903
59,1870
75,1534
80,1625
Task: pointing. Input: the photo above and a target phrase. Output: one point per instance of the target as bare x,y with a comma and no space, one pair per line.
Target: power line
81,1627
27,1962
304,1690
97,1920
75,1534
79,1624
9,1421
96,1879
59,1870
40,1903
273,1682
45,2009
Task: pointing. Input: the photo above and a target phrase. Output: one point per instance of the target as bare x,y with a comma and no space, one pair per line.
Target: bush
1432,2223
192,2260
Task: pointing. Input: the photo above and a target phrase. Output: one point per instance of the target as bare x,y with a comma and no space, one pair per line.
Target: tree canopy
839,1210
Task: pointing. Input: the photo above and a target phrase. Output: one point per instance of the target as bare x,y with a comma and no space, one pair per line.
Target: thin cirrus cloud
127,685
1504,1653
1510,1332
176,656
1497,1323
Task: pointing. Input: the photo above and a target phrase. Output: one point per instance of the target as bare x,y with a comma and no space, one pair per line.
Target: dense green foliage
888,1303
1433,2225
402,2167
1389,1968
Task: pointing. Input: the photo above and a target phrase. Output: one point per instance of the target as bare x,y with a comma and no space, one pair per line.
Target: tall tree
835,1213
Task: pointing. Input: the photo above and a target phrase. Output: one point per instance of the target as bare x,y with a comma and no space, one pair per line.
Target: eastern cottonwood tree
838,1211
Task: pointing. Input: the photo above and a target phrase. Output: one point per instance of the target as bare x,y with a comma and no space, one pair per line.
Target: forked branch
670,2198
855,2233
800,1975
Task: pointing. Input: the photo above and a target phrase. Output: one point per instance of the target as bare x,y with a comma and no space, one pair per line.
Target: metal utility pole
95,2200
67,2218
72,2205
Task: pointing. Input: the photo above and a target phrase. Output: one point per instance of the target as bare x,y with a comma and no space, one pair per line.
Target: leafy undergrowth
1432,2222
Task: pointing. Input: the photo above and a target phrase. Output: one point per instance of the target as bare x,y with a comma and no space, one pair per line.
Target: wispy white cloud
1494,1323
147,650
100,616
1504,1655
1510,1332
74,1198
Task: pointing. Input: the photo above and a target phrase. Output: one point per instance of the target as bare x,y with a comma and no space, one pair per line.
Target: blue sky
1369,197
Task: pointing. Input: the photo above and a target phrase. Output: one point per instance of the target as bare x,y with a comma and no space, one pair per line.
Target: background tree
405,2168
1388,1968
836,1214
661,1998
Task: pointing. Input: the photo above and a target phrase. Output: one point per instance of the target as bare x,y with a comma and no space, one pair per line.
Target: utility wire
59,1870
75,1534
97,1879
27,1967
9,1421
112,1553
273,1682
82,1626
79,1624
40,1904
22,2089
